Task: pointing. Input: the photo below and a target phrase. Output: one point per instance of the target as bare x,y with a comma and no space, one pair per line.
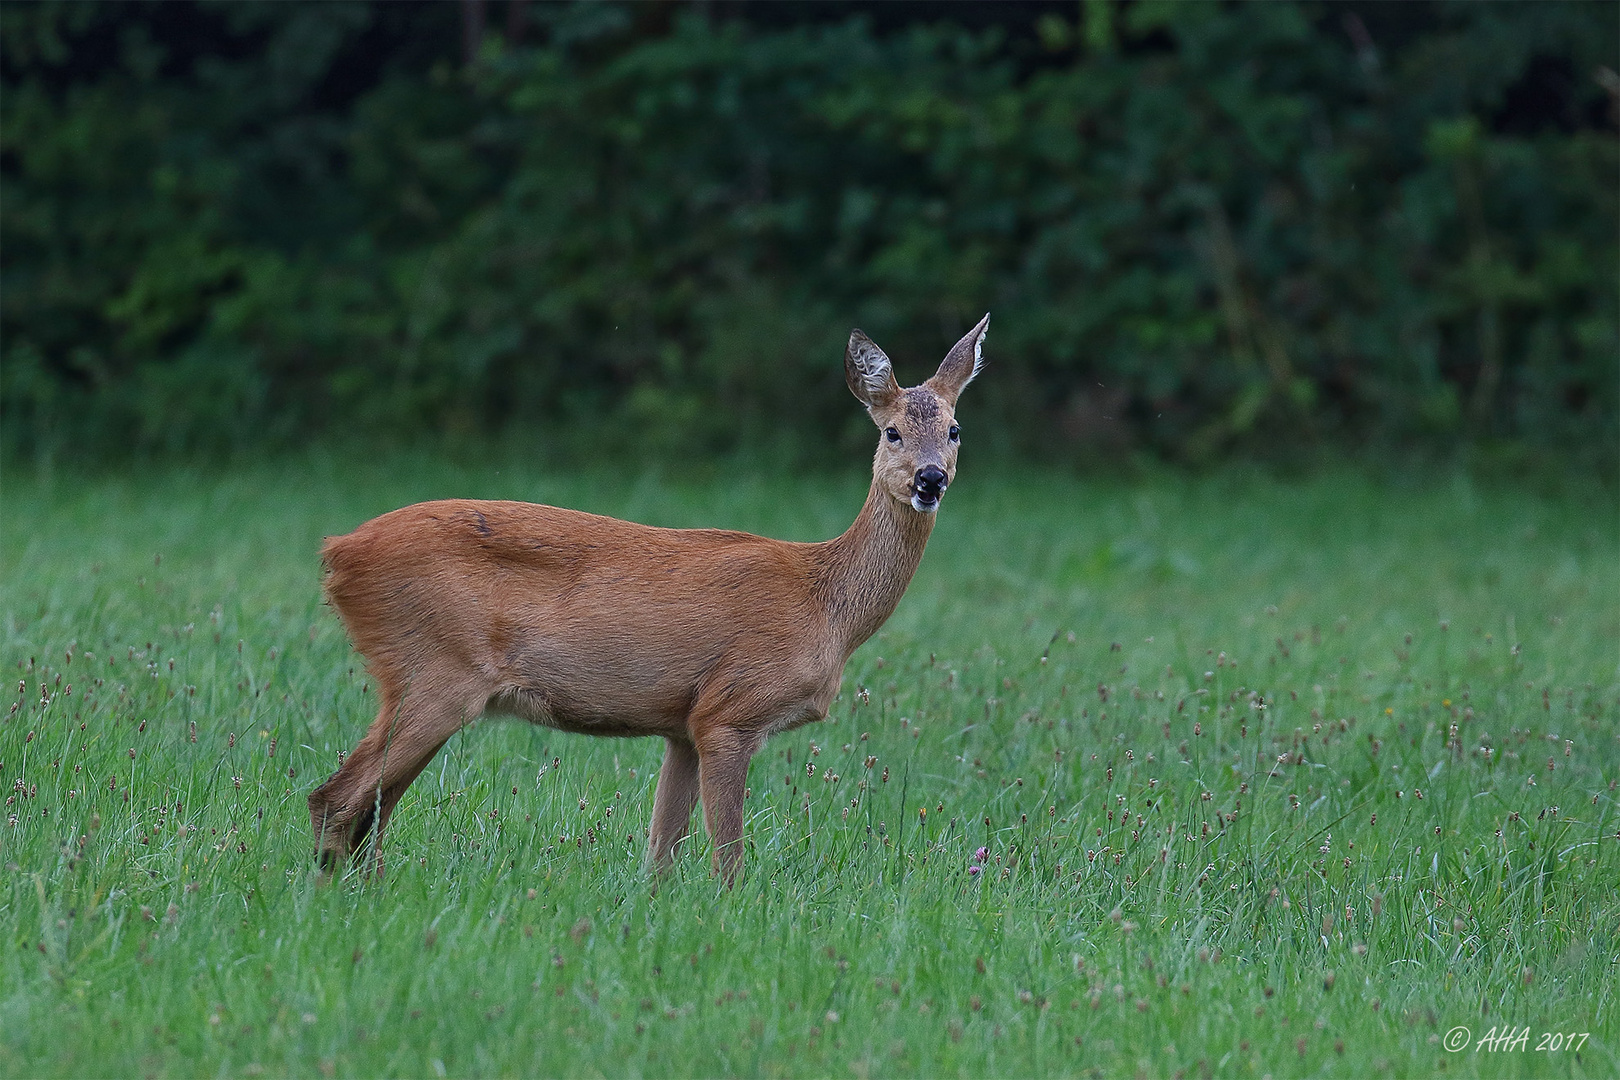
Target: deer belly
595,688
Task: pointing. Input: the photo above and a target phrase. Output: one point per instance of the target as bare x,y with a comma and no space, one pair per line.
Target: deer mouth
925,502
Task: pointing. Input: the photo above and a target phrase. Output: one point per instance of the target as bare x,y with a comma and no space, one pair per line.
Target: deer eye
955,433
892,435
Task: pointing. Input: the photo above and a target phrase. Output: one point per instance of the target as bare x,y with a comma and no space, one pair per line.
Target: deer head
916,455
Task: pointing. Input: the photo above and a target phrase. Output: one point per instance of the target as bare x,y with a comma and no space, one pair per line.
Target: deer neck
865,571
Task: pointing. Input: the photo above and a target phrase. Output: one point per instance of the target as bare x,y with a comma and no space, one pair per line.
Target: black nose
930,481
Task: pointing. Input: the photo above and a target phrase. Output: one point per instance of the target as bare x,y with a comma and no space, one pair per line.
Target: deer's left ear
961,364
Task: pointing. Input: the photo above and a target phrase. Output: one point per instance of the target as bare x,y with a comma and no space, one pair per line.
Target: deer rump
576,621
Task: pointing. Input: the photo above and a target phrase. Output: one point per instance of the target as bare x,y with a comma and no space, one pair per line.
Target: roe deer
713,640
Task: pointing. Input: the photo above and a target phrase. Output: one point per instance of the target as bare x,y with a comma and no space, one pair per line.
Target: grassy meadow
1288,776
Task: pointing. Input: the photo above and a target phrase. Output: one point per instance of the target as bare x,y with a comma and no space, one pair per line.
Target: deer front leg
673,800
722,774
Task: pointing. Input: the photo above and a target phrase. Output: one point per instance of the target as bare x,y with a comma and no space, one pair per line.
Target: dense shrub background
1200,227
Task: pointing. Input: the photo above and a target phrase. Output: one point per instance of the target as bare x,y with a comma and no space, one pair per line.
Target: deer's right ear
868,372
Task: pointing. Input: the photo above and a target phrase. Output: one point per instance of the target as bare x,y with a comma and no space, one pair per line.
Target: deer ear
961,364
868,372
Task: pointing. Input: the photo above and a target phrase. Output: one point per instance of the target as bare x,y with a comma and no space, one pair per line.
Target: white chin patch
922,507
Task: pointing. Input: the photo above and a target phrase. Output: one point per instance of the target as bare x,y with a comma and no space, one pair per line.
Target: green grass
1189,718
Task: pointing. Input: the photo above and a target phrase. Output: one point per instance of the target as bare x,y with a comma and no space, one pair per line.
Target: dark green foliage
1199,227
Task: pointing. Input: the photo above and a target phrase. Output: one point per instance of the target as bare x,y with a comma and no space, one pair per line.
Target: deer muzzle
927,487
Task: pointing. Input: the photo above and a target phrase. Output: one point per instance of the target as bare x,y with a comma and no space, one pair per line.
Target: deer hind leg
409,730
722,776
676,795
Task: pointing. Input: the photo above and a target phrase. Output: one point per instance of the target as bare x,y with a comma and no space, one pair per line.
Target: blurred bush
1201,228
